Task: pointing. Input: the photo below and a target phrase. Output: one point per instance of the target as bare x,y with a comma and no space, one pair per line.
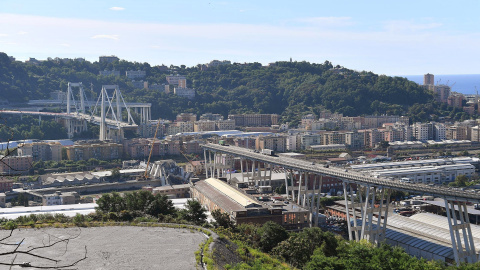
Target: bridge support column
206,163
462,254
299,188
370,229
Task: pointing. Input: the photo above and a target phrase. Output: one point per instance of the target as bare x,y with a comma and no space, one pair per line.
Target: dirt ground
109,247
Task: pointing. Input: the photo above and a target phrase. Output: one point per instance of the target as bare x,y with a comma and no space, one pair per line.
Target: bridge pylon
111,105
366,219
462,251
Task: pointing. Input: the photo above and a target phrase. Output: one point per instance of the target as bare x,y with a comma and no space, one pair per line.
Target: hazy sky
386,37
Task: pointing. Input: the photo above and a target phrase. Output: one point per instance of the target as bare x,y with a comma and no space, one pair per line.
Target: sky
386,37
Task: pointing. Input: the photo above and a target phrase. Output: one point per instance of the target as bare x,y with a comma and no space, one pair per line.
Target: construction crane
151,150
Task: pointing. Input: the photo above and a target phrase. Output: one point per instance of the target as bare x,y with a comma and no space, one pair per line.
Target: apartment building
355,139
274,142
135,74
15,165
102,151
108,59
309,139
225,124
456,100
186,117
184,92
254,120
180,127
174,79
211,116
42,151
6,184
203,125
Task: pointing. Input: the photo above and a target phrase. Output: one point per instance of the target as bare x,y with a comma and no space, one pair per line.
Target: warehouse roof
232,192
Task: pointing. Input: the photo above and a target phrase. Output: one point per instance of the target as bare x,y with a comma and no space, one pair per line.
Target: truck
223,142
268,152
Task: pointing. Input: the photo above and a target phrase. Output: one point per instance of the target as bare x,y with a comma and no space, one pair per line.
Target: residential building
180,127
456,100
60,198
108,59
216,63
475,134
15,165
355,139
41,151
184,92
102,151
225,124
307,121
182,83
173,79
439,131
422,131
428,79
274,142
309,139
203,125
254,120
211,116
6,184
135,74
160,87
441,92
245,142
334,137
140,84
186,117
173,191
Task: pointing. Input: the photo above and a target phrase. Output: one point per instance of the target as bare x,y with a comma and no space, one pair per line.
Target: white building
440,131
135,74
429,174
173,79
184,92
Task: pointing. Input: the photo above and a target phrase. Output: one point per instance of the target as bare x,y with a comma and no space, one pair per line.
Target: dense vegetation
287,88
28,127
313,248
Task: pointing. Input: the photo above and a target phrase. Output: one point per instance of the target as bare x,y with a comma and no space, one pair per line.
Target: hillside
286,88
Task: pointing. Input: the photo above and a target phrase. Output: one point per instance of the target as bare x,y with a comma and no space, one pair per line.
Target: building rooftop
231,192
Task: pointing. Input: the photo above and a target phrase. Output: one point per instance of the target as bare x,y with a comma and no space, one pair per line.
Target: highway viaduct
362,223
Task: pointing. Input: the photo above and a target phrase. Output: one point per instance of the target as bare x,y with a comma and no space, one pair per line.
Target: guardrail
344,174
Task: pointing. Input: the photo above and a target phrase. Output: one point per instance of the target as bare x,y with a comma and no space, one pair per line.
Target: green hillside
287,88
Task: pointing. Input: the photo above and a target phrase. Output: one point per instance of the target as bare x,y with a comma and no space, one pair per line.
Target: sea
461,83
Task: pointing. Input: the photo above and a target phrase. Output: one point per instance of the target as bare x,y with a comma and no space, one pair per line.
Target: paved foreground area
110,247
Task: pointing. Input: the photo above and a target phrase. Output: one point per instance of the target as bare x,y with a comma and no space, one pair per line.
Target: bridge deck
79,116
344,174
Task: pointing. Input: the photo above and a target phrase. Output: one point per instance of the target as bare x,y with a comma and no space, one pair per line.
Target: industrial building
242,208
429,174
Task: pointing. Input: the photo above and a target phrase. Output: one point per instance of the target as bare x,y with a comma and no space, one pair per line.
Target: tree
194,212
116,175
460,181
298,248
271,234
222,219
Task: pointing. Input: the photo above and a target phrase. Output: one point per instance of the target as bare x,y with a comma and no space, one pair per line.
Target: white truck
268,152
